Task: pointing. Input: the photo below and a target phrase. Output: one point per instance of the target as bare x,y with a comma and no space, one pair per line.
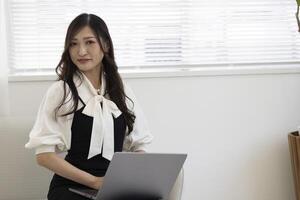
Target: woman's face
85,51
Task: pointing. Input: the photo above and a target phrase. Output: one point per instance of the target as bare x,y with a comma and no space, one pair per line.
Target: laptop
138,176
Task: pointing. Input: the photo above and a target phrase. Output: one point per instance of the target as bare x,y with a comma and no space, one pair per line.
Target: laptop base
92,194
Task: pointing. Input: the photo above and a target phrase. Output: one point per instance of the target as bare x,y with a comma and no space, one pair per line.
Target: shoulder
128,90
55,94
131,99
55,88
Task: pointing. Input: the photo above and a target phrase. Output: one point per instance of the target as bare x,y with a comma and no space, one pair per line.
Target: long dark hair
66,69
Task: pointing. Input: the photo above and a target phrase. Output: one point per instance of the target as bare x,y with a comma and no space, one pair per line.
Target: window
168,33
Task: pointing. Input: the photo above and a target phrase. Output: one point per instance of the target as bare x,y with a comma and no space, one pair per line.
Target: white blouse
50,134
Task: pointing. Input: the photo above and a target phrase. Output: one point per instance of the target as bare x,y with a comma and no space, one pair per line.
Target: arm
61,167
140,137
49,133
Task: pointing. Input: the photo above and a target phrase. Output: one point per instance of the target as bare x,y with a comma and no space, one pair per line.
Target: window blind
166,33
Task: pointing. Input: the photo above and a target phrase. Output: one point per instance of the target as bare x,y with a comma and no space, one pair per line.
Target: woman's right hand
63,168
97,183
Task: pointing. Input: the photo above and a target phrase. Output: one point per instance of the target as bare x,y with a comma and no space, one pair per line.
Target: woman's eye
73,44
90,42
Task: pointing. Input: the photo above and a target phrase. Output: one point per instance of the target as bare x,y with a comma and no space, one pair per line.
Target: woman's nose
82,50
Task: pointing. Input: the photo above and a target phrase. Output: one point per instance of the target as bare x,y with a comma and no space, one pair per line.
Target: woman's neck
94,77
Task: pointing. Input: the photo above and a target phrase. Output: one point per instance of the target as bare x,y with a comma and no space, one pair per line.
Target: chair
176,191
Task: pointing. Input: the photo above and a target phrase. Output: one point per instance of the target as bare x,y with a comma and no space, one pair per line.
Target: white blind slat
159,32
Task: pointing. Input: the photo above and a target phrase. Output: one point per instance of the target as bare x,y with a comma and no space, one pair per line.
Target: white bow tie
102,136
103,125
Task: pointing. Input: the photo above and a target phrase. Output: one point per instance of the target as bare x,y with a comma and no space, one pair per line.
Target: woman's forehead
84,33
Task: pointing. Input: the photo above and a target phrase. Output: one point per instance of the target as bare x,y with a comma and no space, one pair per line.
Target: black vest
80,143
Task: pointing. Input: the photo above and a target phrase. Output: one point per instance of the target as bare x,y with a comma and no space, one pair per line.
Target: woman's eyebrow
90,37
86,38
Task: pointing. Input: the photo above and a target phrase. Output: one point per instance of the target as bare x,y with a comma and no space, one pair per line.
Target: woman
87,112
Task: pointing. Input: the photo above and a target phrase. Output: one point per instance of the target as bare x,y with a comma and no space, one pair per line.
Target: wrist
93,182
96,183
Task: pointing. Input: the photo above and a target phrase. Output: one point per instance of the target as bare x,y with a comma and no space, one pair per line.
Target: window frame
162,71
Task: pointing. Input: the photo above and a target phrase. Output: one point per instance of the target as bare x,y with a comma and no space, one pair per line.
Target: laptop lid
141,174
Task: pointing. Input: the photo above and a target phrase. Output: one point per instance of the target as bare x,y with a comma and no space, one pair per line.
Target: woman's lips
83,60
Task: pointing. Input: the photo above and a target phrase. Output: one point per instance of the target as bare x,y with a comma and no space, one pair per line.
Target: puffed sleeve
140,137
50,133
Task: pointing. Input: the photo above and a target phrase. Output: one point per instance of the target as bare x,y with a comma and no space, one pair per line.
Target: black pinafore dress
77,155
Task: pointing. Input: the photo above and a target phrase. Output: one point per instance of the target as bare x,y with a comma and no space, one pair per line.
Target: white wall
234,129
